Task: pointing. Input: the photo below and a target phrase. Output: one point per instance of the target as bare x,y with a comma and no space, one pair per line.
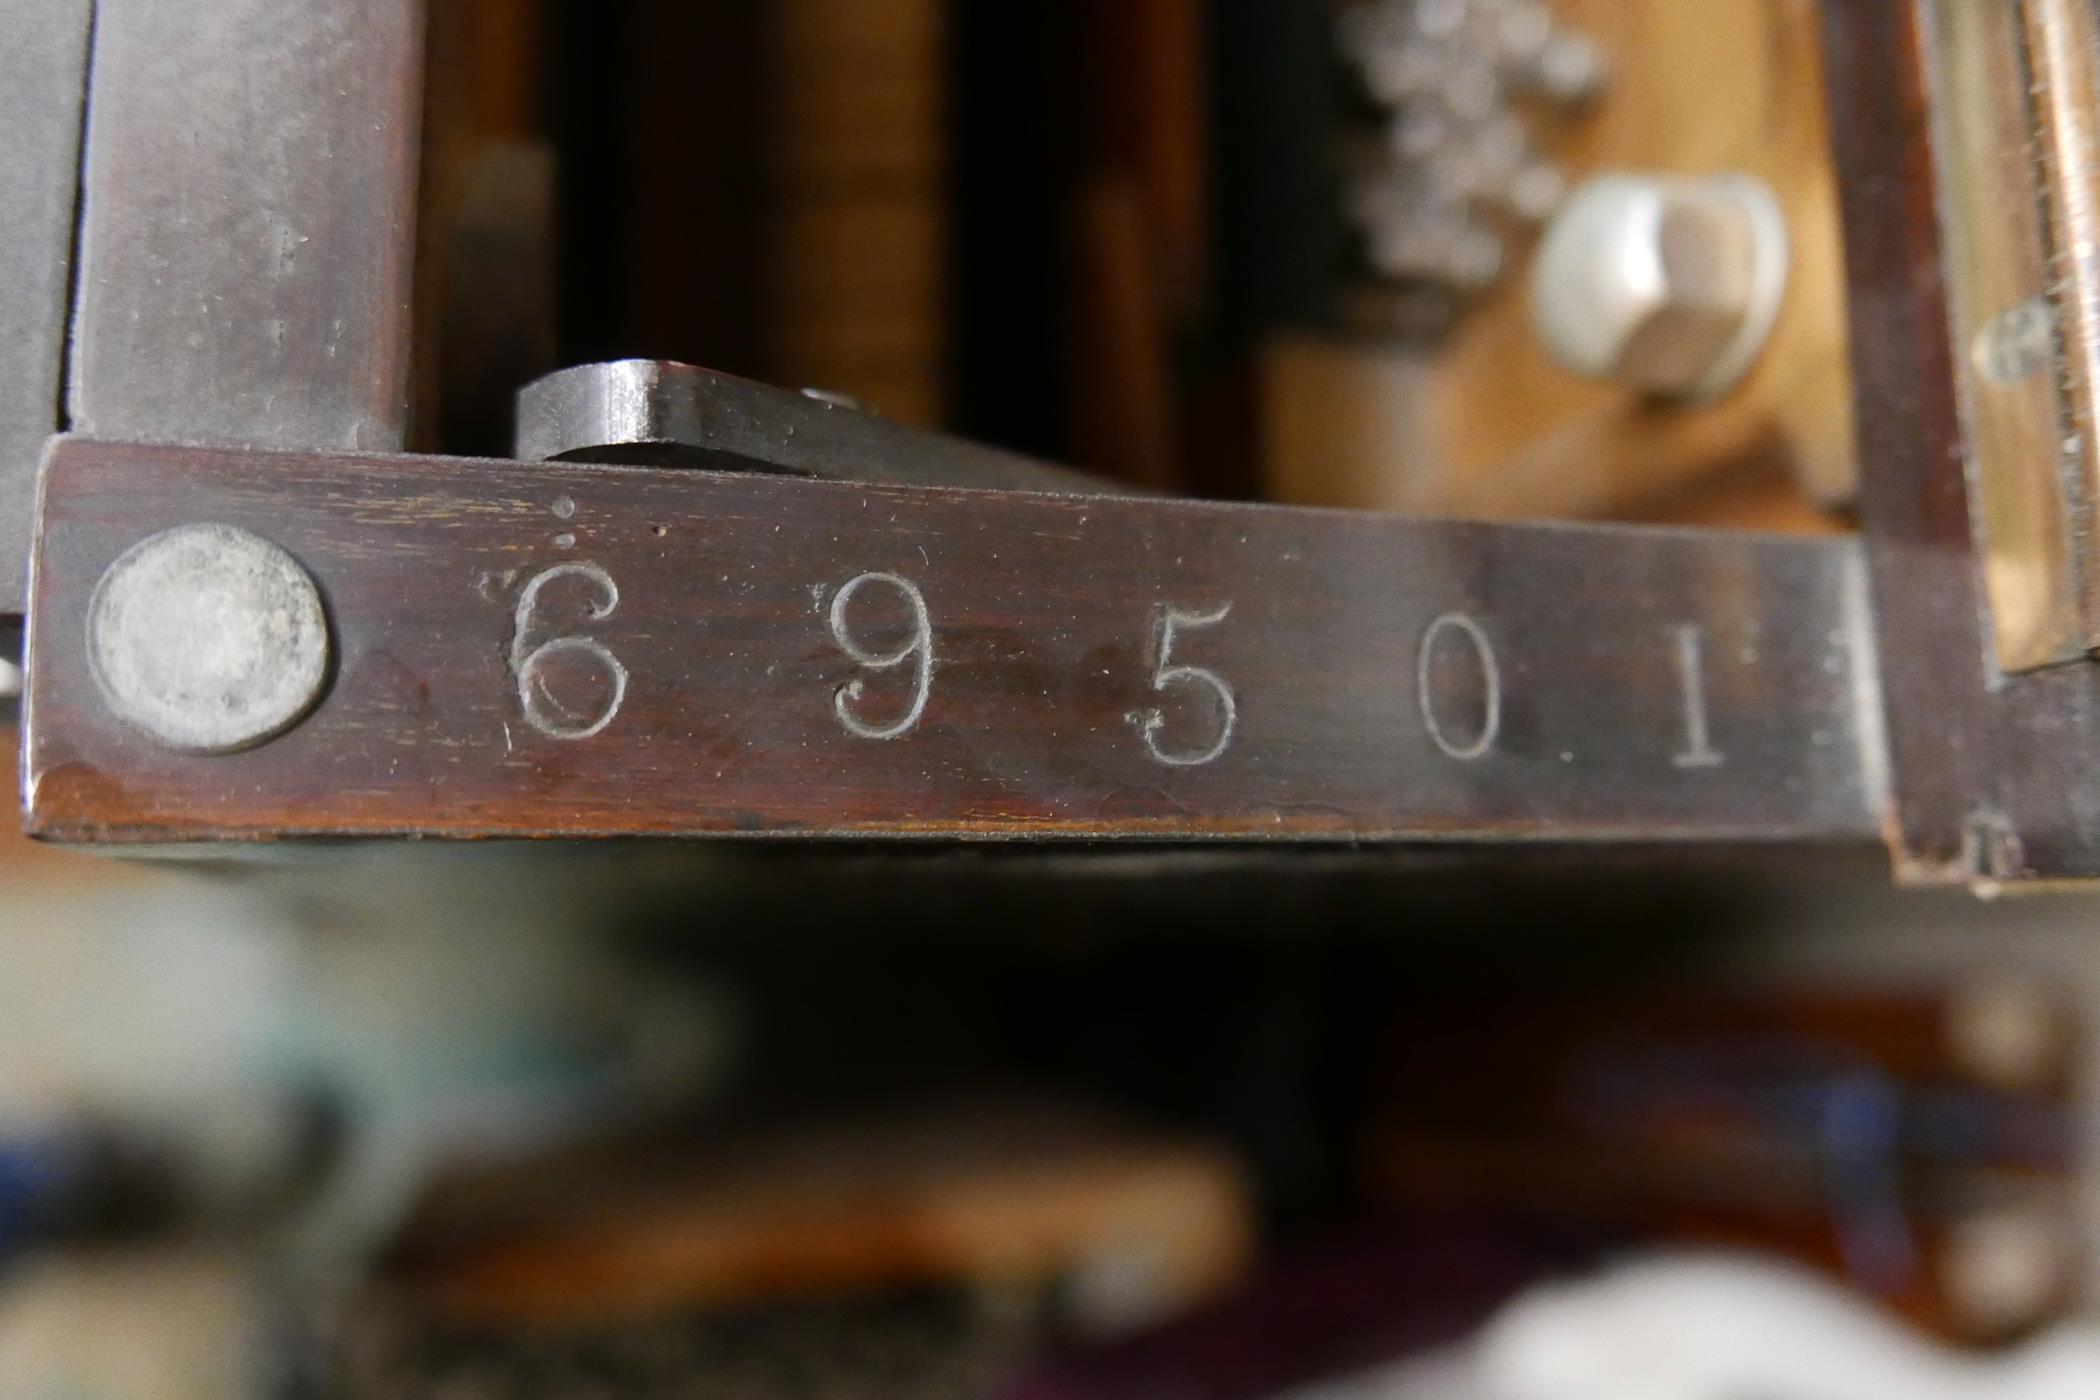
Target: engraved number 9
918,647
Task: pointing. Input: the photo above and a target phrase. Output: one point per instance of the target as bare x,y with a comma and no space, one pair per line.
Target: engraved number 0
920,645
1490,678
1165,674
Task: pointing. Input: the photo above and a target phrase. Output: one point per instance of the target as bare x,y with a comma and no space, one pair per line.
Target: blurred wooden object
975,1196
854,299
485,286
1493,429
185,1323
1922,1143
1139,237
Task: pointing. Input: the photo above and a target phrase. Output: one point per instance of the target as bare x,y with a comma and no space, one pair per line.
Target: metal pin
208,638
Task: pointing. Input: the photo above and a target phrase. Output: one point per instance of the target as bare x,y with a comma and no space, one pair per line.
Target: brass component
2063,44
2012,88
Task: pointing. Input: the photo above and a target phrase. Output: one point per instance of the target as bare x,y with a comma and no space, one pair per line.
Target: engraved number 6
542,710
1166,674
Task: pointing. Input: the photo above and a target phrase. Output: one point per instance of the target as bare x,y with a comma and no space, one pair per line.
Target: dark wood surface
1045,614
1994,777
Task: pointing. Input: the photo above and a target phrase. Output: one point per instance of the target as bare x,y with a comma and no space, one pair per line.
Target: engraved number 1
1698,750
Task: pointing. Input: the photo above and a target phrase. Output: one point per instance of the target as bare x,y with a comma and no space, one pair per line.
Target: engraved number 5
1166,674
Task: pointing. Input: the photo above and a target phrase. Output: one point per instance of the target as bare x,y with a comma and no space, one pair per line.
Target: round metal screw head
1669,286
208,638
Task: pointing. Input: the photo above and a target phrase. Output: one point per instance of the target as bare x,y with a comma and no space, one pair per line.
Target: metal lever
662,413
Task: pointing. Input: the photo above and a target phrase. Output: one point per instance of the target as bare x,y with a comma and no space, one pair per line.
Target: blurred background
973,1124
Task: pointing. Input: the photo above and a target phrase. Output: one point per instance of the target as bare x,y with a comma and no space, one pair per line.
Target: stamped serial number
1462,734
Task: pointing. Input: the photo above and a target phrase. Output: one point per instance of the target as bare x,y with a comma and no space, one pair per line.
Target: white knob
1667,285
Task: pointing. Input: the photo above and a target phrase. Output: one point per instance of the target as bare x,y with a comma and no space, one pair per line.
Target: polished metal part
208,638
659,413
43,85
1667,285
247,232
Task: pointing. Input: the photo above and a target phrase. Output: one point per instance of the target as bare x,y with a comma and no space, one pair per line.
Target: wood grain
1046,613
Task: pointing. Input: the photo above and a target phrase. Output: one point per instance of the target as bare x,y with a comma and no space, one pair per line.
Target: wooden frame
526,650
